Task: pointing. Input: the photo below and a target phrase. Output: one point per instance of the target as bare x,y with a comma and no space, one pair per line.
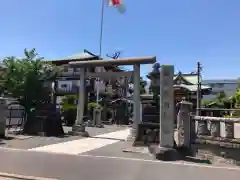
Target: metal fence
15,116
12,113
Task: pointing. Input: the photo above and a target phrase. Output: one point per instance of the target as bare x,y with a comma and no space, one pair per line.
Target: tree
143,85
221,100
24,79
236,101
205,103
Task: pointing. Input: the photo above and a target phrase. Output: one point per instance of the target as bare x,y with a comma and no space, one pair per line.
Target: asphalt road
37,141
87,167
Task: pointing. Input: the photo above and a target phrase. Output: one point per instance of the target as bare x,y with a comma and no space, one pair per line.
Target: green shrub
93,105
70,115
69,109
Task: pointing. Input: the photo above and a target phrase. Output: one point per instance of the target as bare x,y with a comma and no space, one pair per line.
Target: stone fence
215,126
193,129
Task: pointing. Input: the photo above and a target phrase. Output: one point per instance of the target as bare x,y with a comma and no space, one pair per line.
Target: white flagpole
100,45
101,28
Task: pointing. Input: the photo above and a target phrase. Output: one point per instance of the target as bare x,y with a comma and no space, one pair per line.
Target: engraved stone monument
166,107
184,124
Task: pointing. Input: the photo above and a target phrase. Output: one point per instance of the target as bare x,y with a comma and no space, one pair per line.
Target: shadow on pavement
175,154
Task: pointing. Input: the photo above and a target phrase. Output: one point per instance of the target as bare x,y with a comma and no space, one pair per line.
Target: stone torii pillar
79,127
137,103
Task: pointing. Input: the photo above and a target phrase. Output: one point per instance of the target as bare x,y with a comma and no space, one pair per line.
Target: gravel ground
19,142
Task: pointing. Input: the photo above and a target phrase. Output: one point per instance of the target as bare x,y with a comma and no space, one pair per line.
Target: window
64,85
65,68
77,69
71,70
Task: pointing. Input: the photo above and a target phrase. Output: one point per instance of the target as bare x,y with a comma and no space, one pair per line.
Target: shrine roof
191,78
82,56
192,88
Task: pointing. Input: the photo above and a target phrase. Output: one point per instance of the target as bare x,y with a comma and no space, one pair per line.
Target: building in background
68,81
228,86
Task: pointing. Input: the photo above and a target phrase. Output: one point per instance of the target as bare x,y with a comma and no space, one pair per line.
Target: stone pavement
80,146
37,141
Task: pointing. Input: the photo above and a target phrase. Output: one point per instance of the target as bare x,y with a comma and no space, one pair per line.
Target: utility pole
199,69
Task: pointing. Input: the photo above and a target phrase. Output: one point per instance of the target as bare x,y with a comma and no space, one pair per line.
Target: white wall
67,83
100,84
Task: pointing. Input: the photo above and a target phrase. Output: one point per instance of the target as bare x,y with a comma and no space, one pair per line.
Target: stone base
184,151
100,126
79,130
132,135
42,134
164,154
217,154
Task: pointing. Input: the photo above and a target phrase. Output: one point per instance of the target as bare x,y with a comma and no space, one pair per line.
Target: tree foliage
143,85
24,78
221,100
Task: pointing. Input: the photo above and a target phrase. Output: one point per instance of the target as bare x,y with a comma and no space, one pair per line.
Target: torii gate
79,127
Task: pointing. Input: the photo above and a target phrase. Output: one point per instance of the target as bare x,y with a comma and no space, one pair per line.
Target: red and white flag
118,4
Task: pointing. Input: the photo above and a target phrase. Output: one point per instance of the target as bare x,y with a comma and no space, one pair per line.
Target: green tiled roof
79,56
82,55
192,87
191,78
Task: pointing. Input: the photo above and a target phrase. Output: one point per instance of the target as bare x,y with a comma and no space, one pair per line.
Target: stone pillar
202,126
166,107
86,100
184,124
215,128
97,118
4,115
229,130
136,100
79,127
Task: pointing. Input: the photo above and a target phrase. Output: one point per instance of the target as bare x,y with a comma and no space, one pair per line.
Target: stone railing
215,126
193,129
215,139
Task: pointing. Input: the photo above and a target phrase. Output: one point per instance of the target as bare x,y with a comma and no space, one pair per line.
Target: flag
114,2
118,4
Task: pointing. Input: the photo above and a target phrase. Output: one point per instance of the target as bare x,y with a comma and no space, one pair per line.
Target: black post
199,68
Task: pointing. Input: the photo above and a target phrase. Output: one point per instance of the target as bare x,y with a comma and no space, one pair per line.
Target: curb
21,177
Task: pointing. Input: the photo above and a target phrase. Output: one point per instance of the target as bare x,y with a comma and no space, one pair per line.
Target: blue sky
177,32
